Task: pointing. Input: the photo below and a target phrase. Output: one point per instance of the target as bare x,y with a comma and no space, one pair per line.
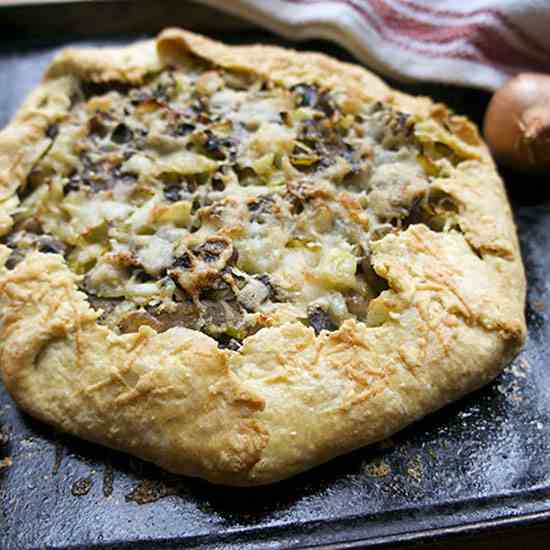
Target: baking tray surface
476,466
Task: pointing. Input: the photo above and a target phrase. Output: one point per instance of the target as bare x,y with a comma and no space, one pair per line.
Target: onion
517,123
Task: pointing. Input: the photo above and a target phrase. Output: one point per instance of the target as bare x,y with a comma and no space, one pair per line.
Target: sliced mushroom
358,305
180,314
226,342
136,319
184,261
221,316
215,250
219,289
184,128
260,208
52,130
106,304
122,134
306,95
319,319
253,294
49,245
98,125
14,258
172,192
376,283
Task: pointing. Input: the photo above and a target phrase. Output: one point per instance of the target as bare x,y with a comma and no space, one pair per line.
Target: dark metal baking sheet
477,467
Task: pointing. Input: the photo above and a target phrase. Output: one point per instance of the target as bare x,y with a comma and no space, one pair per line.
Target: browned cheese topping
225,203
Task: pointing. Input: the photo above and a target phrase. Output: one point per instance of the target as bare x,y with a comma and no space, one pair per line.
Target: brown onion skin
517,123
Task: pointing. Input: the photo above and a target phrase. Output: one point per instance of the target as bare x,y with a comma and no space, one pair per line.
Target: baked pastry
240,262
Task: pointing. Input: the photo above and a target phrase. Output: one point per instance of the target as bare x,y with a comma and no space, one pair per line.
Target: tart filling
222,202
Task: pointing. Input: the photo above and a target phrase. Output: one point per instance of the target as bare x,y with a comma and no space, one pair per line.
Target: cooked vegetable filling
225,203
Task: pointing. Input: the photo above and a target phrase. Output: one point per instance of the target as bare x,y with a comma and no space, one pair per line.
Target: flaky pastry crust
287,400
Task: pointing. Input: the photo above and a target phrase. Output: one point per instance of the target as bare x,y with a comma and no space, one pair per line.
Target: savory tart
240,262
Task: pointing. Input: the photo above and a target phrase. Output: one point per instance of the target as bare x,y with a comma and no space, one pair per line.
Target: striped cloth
477,43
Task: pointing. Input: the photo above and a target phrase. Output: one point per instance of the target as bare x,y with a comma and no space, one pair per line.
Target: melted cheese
207,183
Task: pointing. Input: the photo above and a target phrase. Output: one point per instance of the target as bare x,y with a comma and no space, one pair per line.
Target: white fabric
468,42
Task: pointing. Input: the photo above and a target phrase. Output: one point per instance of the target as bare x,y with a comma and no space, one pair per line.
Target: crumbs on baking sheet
520,369
108,477
432,454
81,487
149,490
414,469
512,389
377,468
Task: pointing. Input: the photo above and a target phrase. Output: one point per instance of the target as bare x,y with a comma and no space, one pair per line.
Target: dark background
474,475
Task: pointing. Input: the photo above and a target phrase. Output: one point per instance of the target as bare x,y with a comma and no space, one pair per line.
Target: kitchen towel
477,43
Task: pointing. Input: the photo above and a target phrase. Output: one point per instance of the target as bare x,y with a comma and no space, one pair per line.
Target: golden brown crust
451,319
130,64
167,397
24,140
